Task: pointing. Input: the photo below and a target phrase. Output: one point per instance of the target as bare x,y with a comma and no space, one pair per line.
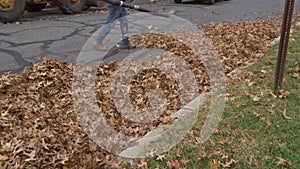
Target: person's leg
124,27
113,14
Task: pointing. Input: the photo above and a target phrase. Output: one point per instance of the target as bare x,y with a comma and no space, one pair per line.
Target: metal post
284,41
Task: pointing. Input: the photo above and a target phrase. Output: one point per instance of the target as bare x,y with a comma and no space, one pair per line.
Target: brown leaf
185,161
255,98
251,84
143,164
214,12
268,122
256,114
214,164
282,161
174,164
229,163
3,157
296,75
263,71
283,94
172,12
160,157
273,95
285,116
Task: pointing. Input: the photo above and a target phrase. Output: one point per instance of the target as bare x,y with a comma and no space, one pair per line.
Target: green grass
255,134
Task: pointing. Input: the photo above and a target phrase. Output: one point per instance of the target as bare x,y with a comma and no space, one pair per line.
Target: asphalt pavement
52,35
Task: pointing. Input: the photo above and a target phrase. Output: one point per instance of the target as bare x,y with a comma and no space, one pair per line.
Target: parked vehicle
12,10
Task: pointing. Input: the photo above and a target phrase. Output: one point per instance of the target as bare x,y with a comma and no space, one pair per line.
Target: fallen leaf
229,163
185,161
268,122
214,164
174,164
172,12
160,157
256,114
251,84
272,112
282,161
142,164
255,98
214,12
3,157
285,116
273,95
296,75
283,94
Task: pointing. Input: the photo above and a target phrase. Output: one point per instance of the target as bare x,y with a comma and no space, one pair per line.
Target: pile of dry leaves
140,87
241,43
38,126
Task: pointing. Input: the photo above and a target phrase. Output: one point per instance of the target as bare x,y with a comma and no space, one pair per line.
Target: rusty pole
284,42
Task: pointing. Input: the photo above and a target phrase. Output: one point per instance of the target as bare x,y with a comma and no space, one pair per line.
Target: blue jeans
114,12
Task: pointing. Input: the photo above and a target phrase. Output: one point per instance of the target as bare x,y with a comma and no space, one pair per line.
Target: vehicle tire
178,1
101,4
71,6
13,12
211,2
35,7
86,7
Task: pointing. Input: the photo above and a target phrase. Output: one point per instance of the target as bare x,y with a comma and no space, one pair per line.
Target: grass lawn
258,129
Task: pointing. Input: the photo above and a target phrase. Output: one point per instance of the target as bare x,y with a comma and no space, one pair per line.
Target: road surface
52,35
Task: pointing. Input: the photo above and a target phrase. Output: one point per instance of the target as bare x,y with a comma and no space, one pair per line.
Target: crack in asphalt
48,43
3,34
9,43
45,44
33,29
18,58
84,23
35,42
78,29
21,44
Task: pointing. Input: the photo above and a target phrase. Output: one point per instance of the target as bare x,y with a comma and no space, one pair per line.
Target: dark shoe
126,46
99,46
